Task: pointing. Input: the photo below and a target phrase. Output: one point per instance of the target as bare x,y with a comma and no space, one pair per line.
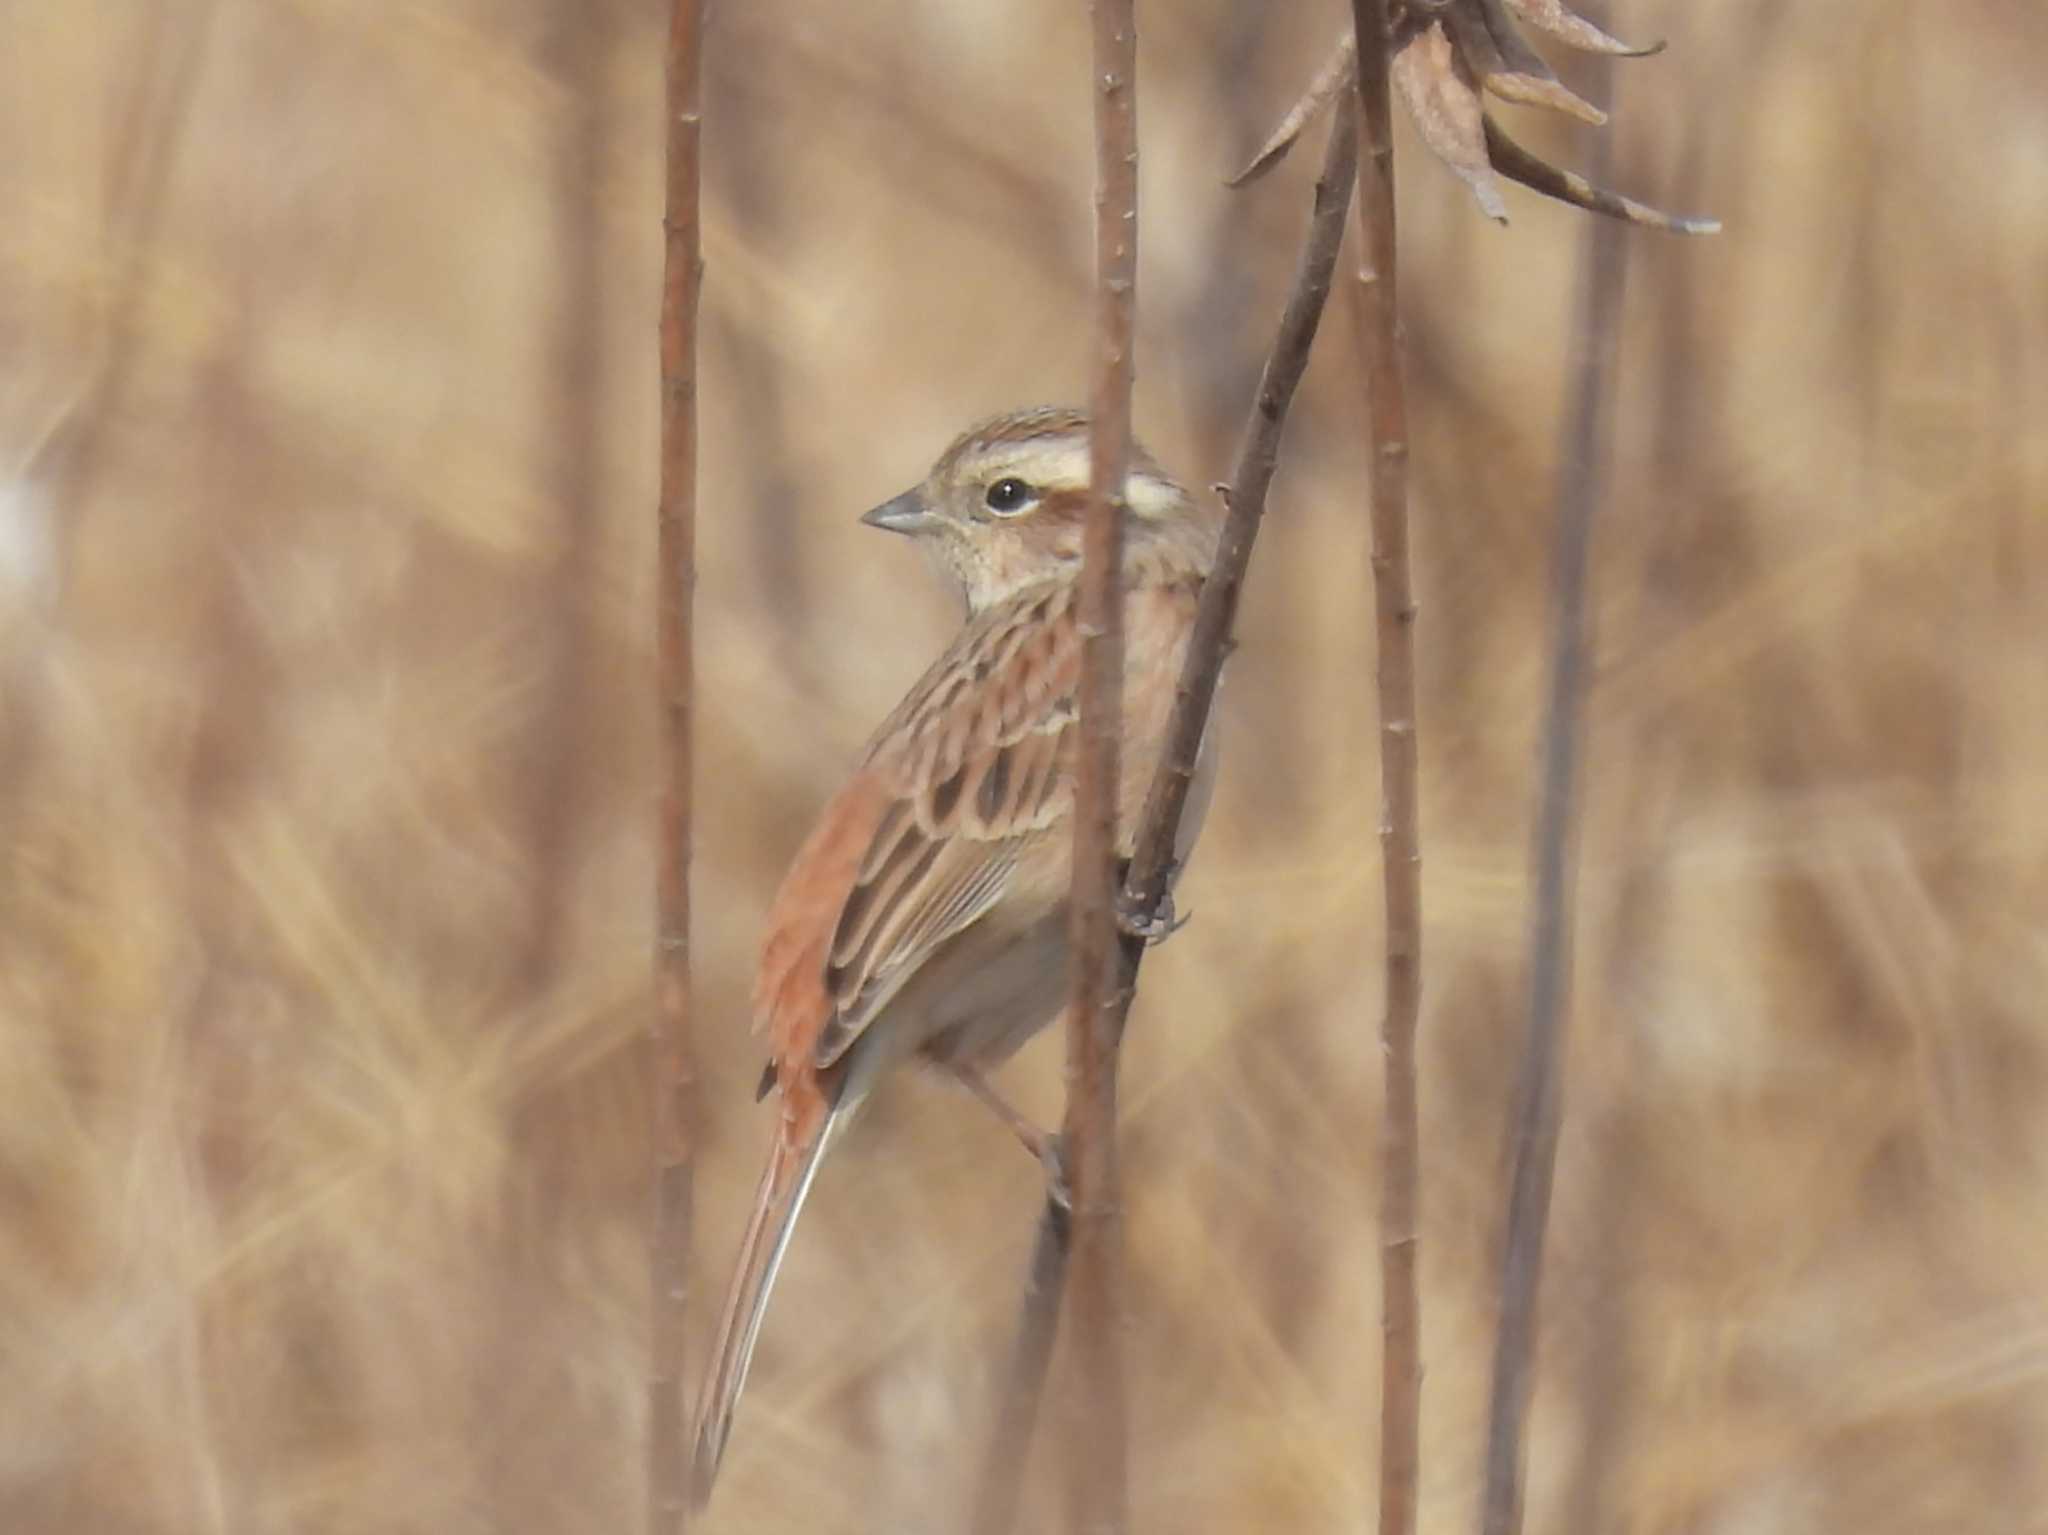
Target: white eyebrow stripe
1043,464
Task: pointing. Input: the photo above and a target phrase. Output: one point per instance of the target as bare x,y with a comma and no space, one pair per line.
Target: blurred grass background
326,483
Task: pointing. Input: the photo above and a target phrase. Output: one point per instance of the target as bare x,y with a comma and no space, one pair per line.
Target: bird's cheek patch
1152,499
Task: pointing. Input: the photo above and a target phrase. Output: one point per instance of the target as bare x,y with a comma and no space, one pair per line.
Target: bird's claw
1150,927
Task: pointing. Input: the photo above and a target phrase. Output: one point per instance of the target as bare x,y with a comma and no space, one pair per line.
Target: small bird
926,916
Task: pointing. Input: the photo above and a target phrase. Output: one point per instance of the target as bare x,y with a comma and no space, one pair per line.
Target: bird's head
1004,507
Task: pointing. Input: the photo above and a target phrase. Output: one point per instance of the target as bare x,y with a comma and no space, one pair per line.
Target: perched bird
926,916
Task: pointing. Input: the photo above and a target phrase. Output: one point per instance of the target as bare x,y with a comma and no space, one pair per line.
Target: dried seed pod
1445,52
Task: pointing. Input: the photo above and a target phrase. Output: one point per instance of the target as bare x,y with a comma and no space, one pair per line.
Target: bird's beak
902,514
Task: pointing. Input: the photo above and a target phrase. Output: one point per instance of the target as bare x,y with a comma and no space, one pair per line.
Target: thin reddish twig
1378,313
1152,867
1099,1491
999,1490
675,1063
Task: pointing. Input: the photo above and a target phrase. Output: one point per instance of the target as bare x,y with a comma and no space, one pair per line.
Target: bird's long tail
785,1183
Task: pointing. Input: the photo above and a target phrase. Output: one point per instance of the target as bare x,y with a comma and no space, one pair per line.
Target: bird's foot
1149,927
1038,1142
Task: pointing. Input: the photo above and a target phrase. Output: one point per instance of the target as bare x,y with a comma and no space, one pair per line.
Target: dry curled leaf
1517,164
1334,76
1494,51
1436,86
1575,31
1445,53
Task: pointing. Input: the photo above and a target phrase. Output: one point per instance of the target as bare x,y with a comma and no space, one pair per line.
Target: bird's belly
982,997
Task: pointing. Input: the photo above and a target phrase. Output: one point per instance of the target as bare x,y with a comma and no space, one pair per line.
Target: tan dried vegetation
325,775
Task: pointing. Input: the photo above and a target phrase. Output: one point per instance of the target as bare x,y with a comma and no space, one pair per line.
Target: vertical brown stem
676,519
1152,866
1401,856
1581,487
1000,1488
1094,1022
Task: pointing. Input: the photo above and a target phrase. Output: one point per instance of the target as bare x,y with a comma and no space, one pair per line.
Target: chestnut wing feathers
977,761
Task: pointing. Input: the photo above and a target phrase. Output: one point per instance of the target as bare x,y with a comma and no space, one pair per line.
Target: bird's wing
972,769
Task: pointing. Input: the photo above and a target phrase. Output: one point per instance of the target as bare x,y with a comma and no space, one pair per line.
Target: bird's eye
1009,496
